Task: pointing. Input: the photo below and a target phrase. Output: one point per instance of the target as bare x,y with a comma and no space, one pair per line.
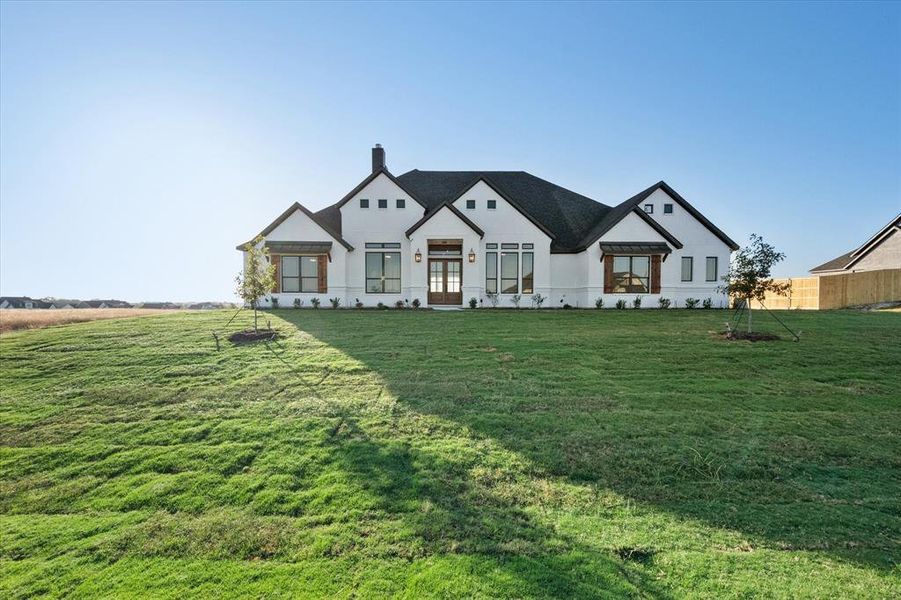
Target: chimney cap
378,145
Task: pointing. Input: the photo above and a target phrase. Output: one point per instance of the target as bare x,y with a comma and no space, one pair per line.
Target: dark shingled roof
836,264
571,220
565,215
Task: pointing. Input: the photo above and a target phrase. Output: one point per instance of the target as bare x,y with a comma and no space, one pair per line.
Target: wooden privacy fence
838,291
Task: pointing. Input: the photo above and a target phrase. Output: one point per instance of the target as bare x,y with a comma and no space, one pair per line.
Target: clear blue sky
140,142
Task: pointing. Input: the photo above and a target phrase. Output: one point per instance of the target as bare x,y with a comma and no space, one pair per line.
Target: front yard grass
422,454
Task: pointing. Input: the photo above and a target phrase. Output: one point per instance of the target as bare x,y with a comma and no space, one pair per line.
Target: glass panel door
454,270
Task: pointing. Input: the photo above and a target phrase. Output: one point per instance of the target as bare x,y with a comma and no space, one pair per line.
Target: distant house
19,302
162,305
881,251
108,304
62,303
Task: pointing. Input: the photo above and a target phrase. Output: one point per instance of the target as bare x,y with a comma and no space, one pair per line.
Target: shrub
599,303
515,300
493,299
637,302
315,302
336,302
620,304
473,303
691,303
298,303
357,303
416,303
663,303
538,300
406,303
274,302
708,303
381,306
567,306
399,305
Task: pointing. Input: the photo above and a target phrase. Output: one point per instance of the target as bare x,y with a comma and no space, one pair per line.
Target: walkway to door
445,274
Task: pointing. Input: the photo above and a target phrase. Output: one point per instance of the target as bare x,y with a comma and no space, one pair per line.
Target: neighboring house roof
291,210
17,301
849,259
436,210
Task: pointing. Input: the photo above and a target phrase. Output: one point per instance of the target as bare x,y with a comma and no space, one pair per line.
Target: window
509,246
528,260
649,208
631,274
401,203
712,268
300,274
667,209
492,204
364,202
687,268
470,204
390,245
509,273
528,246
491,272
491,246
383,272
383,203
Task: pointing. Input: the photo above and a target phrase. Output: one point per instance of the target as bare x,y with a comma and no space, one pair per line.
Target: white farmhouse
444,237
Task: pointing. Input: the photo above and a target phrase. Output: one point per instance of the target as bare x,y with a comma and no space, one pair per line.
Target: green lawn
478,454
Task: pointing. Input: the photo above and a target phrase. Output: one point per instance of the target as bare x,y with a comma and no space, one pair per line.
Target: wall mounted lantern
418,256
472,255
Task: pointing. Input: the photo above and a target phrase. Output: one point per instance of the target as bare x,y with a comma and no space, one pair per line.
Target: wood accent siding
323,273
655,274
276,259
608,274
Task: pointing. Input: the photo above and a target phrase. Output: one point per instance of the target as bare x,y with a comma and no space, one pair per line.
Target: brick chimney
378,158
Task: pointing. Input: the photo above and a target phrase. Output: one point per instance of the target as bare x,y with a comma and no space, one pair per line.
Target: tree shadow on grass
451,516
581,409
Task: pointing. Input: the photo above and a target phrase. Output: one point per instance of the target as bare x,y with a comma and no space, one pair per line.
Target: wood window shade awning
299,247
635,248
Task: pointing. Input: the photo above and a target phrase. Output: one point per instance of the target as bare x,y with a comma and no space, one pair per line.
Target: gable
445,218
356,219
298,226
632,228
505,218
685,222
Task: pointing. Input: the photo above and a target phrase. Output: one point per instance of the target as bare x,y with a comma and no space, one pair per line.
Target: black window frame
716,268
491,246
514,279
631,276
530,288
382,279
470,205
401,203
691,268
491,285
668,208
364,202
649,209
383,203
491,204
300,277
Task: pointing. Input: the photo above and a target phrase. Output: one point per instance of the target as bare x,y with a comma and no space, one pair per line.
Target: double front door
445,281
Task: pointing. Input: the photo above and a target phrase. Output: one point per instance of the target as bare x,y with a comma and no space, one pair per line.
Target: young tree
258,277
749,275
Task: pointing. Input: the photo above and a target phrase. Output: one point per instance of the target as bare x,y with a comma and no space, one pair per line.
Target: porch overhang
635,248
299,247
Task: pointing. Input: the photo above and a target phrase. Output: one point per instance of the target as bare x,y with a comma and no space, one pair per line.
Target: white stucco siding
378,225
298,227
569,280
442,226
506,225
699,243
